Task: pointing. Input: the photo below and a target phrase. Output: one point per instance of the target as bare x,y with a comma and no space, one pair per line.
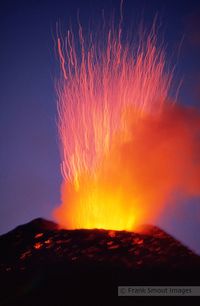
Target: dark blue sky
29,157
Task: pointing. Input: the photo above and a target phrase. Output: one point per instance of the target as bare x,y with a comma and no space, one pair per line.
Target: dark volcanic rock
43,265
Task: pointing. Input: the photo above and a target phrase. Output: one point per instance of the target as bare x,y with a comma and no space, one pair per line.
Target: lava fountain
126,149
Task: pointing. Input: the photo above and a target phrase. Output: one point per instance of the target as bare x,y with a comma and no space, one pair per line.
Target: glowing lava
120,138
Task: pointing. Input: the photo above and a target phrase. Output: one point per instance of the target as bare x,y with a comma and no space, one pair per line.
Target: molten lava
126,150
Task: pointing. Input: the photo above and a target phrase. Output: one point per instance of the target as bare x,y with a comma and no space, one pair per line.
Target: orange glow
37,245
125,148
38,235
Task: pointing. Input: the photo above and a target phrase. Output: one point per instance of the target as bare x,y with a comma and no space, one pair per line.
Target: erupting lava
125,148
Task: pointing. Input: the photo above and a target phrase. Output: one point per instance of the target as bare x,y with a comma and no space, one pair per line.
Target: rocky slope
41,264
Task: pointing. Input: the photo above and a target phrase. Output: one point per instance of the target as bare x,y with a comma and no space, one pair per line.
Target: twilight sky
29,156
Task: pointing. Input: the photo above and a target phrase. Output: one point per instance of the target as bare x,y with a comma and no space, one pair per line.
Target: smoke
159,164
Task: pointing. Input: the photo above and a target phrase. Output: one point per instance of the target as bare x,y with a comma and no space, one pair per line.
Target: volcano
44,265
